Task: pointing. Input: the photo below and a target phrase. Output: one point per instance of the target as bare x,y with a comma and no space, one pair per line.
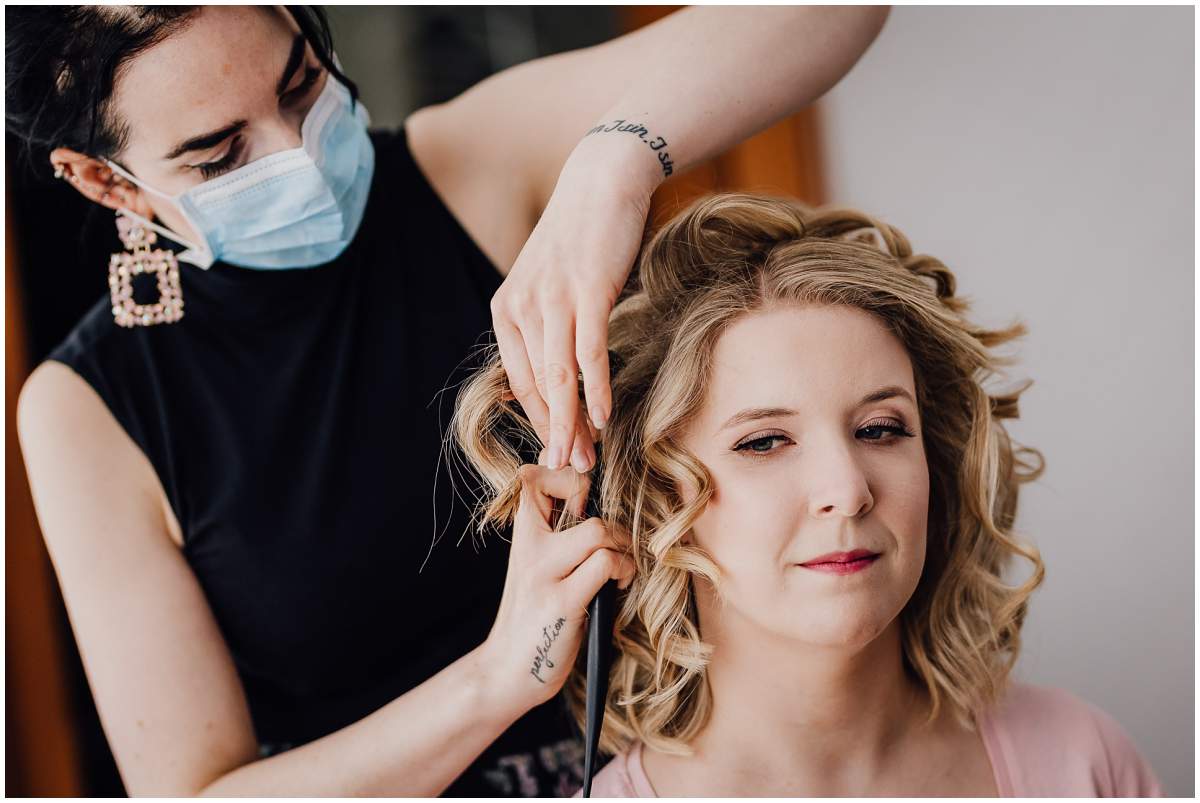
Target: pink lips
842,562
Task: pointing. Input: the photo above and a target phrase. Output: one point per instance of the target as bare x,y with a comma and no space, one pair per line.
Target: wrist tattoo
657,144
542,656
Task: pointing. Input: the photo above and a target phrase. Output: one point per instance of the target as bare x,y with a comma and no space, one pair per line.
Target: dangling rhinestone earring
122,267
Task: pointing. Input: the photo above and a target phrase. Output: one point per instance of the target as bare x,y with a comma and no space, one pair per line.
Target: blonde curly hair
721,258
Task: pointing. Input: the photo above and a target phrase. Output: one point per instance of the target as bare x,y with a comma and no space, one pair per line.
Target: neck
825,719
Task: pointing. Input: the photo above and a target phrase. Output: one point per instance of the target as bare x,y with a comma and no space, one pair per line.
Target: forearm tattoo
542,656
657,144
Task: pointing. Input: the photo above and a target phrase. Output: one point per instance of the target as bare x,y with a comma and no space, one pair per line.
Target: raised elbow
867,21
877,16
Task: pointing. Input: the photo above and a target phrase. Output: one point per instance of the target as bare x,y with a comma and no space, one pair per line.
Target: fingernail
598,417
579,459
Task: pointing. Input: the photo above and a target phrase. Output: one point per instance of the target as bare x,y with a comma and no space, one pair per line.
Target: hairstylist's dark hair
61,63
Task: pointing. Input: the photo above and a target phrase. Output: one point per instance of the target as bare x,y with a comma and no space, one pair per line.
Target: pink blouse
1042,742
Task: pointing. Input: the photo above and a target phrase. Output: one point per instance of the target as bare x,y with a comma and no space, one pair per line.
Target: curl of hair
723,257
61,64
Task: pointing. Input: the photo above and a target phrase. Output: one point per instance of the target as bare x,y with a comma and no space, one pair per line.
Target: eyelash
896,427
225,163
211,169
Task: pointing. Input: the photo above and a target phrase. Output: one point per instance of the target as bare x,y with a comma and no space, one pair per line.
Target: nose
837,484
281,132
282,129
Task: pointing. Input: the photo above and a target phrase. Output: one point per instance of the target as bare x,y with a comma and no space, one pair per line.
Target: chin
846,628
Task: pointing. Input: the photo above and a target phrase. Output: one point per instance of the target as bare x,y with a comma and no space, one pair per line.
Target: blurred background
1045,154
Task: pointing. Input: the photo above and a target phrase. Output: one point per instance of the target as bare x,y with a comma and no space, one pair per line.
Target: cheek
167,213
904,511
906,506
748,521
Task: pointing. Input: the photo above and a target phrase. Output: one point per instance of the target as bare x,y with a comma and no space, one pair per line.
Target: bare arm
165,686
706,78
703,79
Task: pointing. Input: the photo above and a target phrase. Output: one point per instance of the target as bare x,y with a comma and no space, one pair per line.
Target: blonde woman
820,496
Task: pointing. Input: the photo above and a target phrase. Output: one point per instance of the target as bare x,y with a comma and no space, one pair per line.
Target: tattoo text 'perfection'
542,658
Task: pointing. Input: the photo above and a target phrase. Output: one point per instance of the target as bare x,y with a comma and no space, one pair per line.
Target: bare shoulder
490,194
72,444
59,413
51,388
166,688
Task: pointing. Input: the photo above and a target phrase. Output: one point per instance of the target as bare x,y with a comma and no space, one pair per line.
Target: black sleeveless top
295,419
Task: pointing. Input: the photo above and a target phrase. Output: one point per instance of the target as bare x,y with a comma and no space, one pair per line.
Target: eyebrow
756,413
206,141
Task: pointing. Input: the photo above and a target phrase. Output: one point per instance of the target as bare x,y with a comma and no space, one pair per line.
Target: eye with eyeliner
226,162
763,443
219,166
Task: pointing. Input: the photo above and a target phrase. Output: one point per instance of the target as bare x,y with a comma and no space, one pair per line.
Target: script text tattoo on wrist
657,144
542,656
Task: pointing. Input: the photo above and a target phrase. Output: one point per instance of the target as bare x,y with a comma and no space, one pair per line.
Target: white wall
1047,156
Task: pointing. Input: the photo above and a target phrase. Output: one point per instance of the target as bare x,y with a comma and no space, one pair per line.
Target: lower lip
849,567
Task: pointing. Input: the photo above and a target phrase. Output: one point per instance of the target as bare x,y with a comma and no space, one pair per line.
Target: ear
97,182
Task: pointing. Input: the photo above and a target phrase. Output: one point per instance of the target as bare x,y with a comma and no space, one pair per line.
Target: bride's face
812,435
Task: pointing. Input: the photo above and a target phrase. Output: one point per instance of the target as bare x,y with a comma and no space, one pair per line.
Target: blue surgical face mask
297,208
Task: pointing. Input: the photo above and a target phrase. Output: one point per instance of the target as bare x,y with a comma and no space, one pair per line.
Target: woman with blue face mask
234,455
